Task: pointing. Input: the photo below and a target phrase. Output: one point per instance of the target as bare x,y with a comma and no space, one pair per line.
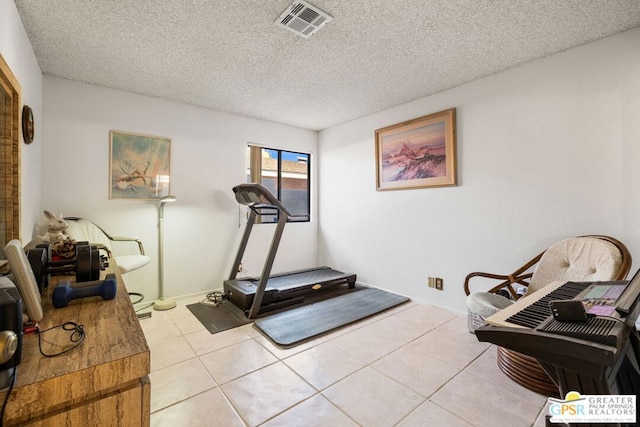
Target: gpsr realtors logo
598,408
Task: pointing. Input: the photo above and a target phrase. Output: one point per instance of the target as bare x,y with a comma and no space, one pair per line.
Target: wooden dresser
102,382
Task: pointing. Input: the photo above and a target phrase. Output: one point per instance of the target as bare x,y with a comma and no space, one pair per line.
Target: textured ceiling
375,54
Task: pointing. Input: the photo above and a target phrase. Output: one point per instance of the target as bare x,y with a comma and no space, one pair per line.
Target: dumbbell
38,260
86,265
67,291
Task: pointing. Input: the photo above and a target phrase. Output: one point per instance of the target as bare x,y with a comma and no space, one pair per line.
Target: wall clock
27,124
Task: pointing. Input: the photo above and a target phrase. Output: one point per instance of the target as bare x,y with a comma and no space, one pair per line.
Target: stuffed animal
55,228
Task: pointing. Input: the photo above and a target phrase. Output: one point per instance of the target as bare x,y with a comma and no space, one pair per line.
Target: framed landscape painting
138,166
418,153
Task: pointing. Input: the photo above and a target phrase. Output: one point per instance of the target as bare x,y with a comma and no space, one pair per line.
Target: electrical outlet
431,282
240,268
439,283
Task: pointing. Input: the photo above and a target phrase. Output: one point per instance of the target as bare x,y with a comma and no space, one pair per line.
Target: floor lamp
162,303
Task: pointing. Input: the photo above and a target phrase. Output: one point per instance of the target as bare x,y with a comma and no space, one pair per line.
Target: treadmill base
287,288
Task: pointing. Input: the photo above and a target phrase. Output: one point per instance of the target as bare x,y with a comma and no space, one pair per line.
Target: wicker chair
585,258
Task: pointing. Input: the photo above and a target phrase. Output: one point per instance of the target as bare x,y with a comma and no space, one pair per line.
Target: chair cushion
127,263
485,304
577,259
83,230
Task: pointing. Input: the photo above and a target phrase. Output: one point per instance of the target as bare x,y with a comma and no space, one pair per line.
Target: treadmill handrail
257,196
251,193
259,206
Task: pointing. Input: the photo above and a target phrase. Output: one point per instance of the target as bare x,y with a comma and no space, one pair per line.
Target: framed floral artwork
139,166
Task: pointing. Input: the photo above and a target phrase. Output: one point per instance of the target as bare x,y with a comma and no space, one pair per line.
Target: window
286,175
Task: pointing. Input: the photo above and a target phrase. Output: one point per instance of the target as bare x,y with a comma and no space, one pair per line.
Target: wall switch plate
431,282
439,283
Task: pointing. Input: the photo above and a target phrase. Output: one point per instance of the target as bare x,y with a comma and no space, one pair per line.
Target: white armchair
81,229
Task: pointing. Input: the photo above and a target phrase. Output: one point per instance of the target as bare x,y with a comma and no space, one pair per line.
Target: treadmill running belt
293,326
304,278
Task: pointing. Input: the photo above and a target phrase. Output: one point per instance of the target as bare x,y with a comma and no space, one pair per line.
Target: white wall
16,49
547,150
208,158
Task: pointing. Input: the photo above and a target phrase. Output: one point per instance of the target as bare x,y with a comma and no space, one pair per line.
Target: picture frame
418,153
139,166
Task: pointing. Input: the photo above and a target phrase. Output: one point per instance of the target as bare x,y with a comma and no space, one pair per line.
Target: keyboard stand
575,364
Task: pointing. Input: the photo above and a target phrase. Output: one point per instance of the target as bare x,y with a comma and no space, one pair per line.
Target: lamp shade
166,199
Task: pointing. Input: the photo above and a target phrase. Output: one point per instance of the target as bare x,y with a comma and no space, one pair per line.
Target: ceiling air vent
303,19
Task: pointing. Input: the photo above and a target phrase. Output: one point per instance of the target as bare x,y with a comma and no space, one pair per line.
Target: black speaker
10,328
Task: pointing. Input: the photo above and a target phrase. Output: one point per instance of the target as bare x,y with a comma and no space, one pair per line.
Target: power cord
140,299
214,298
77,337
136,294
633,332
600,316
145,307
6,398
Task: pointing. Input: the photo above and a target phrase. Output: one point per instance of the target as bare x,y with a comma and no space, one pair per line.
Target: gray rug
294,326
227,316
217,319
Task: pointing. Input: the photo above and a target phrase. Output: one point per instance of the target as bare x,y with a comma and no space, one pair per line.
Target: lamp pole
162,303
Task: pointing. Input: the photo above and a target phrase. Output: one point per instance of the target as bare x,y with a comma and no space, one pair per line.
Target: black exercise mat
292,326
220,318
227,315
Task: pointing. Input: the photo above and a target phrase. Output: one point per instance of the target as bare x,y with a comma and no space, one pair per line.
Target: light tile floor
414,365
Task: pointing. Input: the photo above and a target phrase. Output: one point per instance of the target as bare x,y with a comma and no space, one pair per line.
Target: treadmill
259,294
